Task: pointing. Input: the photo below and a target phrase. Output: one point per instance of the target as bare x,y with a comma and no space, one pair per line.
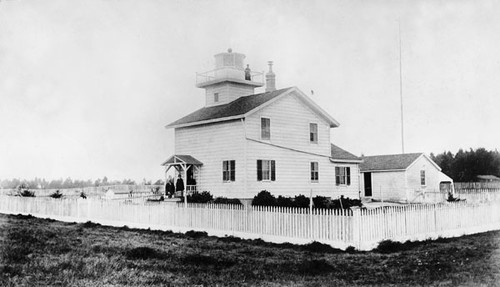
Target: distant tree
159,182
104,181
465,166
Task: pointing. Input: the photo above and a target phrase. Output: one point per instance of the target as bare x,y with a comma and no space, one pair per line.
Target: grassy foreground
39,252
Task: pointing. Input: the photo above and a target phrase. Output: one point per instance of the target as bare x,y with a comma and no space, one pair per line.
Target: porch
187,169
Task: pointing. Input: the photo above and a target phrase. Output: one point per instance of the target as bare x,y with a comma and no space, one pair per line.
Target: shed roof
388,162
340,154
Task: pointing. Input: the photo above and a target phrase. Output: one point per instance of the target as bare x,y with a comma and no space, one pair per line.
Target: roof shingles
340,154
237,107
388,162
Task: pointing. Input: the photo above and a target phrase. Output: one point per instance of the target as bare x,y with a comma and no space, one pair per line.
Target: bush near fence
265,198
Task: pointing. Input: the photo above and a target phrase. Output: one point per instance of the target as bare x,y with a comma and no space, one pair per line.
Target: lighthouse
229,80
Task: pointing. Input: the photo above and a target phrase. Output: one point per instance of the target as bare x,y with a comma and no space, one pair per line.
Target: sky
87,86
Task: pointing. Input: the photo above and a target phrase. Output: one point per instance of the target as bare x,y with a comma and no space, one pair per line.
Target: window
314,172
265,128
422,177
228,170
216,97
266,170
313,133
342,175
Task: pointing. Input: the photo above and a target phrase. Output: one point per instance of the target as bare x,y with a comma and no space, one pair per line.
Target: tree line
465,166
42,183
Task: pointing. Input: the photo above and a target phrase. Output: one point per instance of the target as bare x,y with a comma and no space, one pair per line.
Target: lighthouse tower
229,80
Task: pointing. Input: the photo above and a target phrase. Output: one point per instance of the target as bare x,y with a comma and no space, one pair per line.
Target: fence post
311,223
356,227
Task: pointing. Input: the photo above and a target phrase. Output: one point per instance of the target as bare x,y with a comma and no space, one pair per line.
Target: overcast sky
86,87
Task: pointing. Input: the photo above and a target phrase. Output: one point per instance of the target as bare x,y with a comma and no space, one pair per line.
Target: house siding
228,92
389,185
432,177
290,120
211,144
293,152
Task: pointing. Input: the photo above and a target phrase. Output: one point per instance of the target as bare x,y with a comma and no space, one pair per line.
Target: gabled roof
182,158
244,106
340,155
388,162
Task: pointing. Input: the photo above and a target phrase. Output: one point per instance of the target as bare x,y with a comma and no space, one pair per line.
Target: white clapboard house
241,143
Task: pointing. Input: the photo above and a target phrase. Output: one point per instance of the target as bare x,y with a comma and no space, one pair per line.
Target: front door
368,183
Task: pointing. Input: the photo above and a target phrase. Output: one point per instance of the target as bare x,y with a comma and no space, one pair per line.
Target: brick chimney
270,78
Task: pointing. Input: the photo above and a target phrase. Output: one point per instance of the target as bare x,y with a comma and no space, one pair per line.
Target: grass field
38,252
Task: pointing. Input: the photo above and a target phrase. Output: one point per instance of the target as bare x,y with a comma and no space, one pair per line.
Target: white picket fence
92,191
361,228
478,195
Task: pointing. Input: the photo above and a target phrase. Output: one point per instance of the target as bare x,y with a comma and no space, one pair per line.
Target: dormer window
265,128
313,133
216,97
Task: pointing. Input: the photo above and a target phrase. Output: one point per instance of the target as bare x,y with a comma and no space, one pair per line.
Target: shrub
343,203
264,198
284,201
196,234
389,246
224,200
301,201
26,193
320,202
56,194
203,197
350,249
318,247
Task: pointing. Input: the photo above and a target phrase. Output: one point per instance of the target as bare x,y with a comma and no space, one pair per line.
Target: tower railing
228,73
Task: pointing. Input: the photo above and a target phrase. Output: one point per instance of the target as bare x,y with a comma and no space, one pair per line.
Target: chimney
270,78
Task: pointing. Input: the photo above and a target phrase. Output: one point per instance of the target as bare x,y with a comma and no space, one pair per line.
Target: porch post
184,169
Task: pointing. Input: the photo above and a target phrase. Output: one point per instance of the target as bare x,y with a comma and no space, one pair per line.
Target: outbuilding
412,177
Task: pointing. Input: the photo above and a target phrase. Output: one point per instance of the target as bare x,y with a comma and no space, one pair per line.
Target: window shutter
337,175
273,170
223,171
348,171
259,170
233,170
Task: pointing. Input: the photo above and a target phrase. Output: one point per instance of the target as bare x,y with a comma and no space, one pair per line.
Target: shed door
368,183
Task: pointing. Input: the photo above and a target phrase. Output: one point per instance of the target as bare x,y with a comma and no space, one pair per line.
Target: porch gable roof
182,158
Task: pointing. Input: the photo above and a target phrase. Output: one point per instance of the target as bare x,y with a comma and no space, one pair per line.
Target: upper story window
342,175
266,170
314,172
422,177
265,128
216,97
313,133
228,170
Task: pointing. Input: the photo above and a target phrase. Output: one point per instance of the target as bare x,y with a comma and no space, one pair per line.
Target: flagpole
401,91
